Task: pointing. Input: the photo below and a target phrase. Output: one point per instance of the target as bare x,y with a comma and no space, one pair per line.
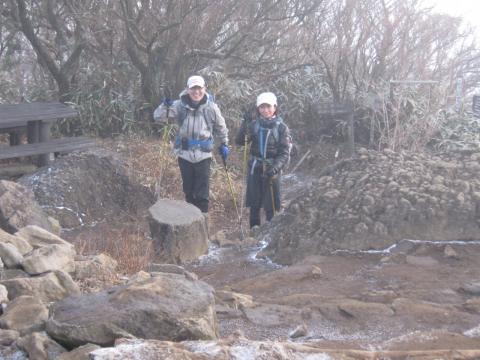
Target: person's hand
223,151
167,102
272,171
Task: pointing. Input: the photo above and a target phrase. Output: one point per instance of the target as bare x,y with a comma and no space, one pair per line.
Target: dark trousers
262,192
255,216
196,182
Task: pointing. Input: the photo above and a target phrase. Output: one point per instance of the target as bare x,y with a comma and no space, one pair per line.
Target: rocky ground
353,289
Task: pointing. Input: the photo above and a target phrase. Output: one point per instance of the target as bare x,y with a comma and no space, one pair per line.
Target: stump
179,231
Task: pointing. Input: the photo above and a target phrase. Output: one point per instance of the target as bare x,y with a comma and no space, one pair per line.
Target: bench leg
33,132
14,138
44,135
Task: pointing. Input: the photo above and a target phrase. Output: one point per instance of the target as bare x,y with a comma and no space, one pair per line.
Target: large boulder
166,306
83,188
19,208
375,200
179,231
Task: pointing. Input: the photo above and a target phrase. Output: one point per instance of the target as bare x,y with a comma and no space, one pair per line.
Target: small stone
450,253
300,331
472,288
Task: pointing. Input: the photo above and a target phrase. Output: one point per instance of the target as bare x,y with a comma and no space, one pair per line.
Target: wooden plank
21,113
13,170
52,146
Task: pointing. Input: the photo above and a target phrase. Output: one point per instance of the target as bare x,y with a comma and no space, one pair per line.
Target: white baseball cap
266,98
195,80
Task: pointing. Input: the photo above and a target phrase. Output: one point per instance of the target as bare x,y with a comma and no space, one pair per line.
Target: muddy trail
412,295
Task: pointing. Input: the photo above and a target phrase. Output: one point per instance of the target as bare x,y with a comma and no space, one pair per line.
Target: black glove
272,171
168,102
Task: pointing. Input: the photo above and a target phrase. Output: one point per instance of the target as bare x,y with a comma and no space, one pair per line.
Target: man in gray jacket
199,120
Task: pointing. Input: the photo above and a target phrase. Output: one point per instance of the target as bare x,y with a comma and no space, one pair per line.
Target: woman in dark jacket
269,153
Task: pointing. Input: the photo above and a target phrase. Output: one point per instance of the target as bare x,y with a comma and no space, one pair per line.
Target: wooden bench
36,119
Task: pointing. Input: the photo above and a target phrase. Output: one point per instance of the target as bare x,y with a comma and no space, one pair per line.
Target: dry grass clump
127,244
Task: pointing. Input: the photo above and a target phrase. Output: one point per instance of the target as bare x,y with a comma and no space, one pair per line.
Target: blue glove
223,151
272,171
167,102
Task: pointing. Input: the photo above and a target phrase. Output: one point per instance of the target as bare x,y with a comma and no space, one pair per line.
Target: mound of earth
376,199
86,188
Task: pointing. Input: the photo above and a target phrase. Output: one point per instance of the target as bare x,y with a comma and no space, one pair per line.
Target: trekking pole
164,152
270,181
244,173
230,186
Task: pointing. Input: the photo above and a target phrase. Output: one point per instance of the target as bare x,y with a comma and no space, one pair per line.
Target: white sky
467,9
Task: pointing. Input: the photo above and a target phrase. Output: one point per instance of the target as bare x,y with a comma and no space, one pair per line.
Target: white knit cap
195,80
266,98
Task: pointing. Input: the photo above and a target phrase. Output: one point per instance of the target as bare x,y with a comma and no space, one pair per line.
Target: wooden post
44,133
33,132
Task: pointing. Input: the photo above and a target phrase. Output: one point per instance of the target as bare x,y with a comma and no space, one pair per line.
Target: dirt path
416,295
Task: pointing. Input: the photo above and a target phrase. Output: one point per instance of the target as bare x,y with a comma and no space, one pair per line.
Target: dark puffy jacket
278,139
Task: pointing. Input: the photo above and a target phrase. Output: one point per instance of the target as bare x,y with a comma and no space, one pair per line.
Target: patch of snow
474,332
205,347
389,249
213,256
243,352
60,207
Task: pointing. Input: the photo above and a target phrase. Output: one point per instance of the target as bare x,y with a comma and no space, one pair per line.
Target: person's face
267,110
196,93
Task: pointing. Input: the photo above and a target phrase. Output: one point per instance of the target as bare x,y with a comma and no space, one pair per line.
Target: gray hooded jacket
196,125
